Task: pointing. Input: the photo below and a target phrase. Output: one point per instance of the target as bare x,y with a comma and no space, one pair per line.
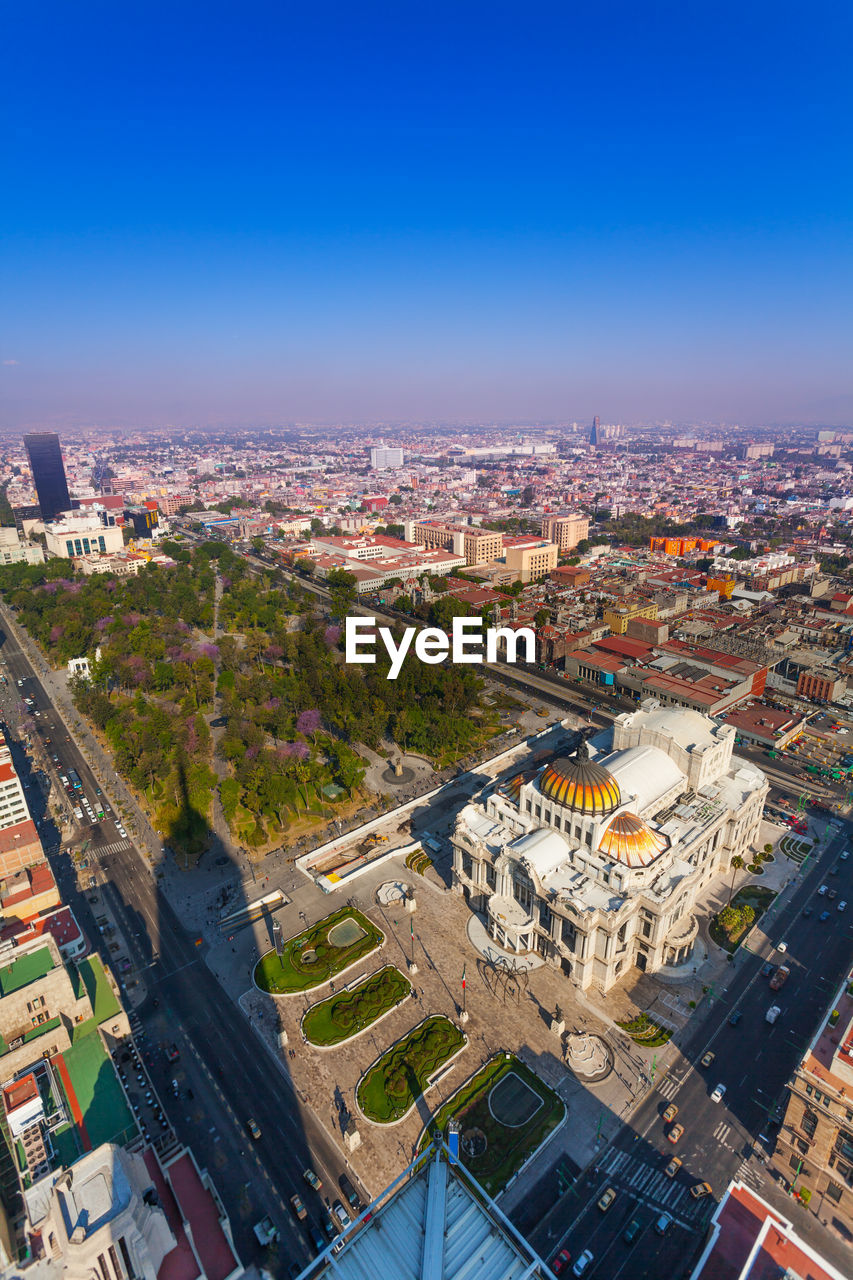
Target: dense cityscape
575,892
426,642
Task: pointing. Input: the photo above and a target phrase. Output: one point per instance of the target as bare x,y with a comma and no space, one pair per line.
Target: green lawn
309,959
506,1148
347,1012
397,1080
753,895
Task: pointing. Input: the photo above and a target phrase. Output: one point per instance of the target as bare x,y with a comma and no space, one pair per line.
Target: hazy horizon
475,215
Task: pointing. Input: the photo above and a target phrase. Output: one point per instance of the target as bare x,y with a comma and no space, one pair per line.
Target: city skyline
339,219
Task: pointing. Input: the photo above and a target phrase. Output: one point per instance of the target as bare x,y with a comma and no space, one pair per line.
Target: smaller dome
627,839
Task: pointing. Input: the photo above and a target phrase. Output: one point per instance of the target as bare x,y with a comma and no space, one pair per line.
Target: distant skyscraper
595,431
383,458
48,471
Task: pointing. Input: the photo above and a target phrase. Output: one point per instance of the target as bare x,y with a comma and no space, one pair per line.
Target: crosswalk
748,1173
721,1133
650,1185
669,1087
116,847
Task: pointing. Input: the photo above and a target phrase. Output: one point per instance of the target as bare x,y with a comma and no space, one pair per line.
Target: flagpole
412,927
464,991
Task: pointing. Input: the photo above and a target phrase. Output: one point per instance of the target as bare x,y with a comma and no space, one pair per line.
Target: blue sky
268,212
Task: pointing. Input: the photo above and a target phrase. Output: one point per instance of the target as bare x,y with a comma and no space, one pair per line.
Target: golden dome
627,839
581,784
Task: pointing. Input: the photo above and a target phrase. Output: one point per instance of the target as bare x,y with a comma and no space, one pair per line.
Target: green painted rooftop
25,969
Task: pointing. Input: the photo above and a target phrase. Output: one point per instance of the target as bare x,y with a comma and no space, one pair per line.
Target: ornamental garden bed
505,1113
644,1031
313,957
392,1086
729,927
347,1013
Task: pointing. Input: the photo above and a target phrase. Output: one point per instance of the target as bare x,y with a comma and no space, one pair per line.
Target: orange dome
627,839
581,784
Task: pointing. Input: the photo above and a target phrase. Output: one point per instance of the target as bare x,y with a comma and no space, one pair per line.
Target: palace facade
596,861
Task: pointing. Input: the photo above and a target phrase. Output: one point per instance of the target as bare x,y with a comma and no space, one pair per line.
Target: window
834,1191
802,1146
809,1090
808,1124
491,876
647,929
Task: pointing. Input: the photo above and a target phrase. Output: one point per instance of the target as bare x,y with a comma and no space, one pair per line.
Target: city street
729,1139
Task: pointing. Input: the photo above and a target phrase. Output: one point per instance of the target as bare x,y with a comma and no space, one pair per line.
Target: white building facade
596,864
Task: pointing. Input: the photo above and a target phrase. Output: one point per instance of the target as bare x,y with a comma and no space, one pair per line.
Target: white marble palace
595,862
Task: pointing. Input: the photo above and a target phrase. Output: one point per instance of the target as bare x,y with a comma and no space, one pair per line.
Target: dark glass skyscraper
595,431
48,471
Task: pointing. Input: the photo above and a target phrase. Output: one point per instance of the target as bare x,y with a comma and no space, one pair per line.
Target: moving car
735,1018
633,1229
707,1058
672,1168
772,1013
824,888
562,1260
606,1200
676,1132
298,1208
701,1189
842,906
663,1224
717,1095
582,1263
670,1113
313,1181
823,917
254,1128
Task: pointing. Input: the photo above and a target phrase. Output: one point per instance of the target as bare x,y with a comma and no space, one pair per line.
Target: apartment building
565,531
617,616
816,1139
529,558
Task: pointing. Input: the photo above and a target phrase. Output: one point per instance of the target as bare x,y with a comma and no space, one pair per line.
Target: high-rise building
48,471
595,431
385,459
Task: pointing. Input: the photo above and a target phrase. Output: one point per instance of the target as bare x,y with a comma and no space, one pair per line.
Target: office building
595,431
48,471
384,459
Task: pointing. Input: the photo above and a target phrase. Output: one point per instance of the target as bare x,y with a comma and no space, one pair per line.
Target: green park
318,953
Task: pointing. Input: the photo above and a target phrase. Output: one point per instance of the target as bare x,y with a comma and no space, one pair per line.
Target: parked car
348,1190
313,1181
340,1214
767,969
298,1208
254,1128
823,917
562,1260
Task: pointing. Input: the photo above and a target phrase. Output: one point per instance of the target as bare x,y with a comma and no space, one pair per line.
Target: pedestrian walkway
95,855
651,1186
